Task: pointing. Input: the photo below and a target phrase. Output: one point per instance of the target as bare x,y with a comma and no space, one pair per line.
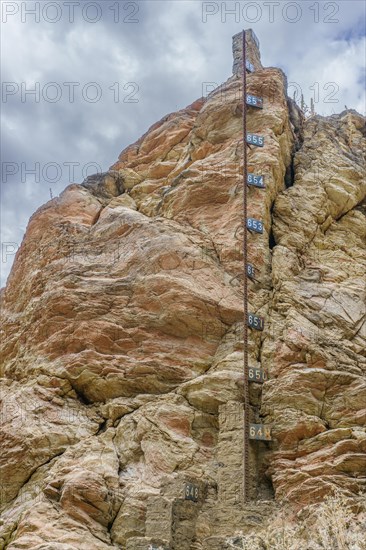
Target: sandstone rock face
122,345
316,350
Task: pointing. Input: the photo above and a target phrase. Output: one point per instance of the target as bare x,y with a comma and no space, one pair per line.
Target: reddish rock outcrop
122,327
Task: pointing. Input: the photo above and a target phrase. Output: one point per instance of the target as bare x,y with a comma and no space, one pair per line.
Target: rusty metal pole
245,285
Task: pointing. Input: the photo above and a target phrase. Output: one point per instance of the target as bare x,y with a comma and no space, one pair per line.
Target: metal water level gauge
252,321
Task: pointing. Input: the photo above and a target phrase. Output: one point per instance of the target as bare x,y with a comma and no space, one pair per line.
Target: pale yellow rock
123,331
130,177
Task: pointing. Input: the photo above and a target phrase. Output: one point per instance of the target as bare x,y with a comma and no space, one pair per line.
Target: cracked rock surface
122,321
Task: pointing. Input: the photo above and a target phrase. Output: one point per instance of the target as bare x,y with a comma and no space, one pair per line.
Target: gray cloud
165,56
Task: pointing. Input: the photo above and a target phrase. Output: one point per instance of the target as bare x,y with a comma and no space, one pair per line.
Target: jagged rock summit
122,332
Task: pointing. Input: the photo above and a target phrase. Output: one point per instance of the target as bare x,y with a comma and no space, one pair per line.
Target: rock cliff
122,322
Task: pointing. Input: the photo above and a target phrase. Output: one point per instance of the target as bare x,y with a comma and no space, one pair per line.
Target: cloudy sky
81,80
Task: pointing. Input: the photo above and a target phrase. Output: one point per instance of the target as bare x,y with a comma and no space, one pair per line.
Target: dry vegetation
332,525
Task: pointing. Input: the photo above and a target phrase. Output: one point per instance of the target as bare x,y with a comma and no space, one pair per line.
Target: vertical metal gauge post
245,289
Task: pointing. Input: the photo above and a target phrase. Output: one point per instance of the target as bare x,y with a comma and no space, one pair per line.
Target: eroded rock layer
122,347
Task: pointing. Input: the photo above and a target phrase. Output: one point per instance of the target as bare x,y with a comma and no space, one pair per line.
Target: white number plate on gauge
260,432
257,375
254,139
256,181
249,66
254,101
256,322
254,225
191,492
